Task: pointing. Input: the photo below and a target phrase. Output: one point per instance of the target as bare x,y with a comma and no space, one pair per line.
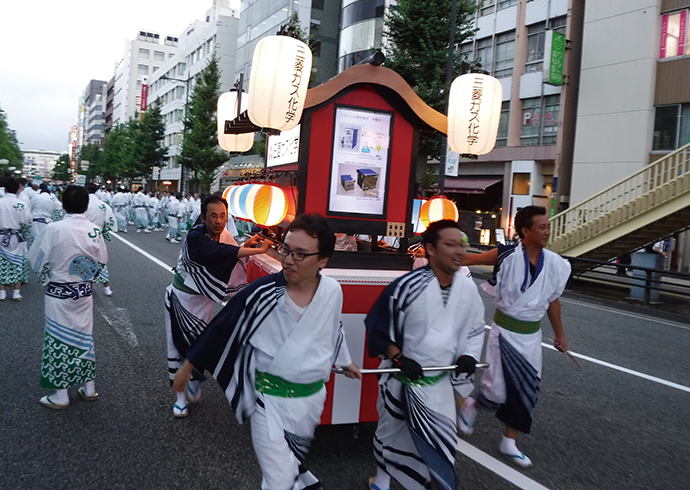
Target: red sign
144,94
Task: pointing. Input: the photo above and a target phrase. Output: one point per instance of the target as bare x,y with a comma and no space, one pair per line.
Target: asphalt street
599,427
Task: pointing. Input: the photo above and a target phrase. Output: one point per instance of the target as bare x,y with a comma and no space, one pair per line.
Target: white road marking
119,319
144,253
501,469
625,313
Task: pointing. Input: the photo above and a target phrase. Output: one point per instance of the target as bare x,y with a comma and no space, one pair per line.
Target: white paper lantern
474,110
281,68
227,111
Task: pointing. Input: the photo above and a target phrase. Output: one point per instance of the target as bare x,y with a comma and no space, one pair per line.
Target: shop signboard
554,53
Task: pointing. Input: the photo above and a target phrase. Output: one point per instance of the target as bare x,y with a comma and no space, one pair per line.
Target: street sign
81,180
554,52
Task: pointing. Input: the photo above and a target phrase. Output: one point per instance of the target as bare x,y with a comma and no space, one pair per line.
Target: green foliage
91,153
150,149
120,153
419,33
9,148
61,170
200,151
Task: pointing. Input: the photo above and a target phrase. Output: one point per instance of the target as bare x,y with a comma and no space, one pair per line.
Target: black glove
465,364
410,367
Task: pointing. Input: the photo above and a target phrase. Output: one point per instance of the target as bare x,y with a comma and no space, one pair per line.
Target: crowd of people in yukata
274,343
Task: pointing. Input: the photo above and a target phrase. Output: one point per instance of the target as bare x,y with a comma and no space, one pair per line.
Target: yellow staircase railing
654,192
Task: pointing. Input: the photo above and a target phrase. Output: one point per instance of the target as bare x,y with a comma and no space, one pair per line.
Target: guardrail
650,186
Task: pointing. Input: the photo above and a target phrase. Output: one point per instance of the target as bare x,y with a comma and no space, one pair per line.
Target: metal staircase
651,204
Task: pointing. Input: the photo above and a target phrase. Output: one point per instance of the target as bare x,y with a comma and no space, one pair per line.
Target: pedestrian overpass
651,204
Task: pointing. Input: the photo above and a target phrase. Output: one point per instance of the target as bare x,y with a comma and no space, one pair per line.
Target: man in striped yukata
272,348
432,316
526,284
209,268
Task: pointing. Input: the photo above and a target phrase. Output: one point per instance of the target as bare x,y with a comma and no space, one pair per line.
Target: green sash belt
178,283
425,381
277,386
515,325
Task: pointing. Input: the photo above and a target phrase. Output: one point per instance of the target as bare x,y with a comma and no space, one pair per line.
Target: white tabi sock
90,388
108,291
60,397
383,479
16,294
3,294
181,399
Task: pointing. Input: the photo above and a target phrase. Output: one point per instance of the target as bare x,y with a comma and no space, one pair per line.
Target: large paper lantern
227,111
270,205
436,209
474,110
281,68
417,226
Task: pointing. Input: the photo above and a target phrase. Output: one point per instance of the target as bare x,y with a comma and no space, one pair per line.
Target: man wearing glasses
432,316
208,269
272,348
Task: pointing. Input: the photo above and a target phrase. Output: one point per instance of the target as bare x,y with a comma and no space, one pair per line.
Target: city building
143,57
93,122
109,104
171,85
39,163
361,30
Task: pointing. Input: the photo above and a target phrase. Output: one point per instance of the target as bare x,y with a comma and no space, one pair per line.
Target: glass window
531,121
144,53
181,67
484,52
666,128
552,106
673,37
558,24
486,7
521,183
504,4
143,69
505,52
502,137
155,69
159,56
535,47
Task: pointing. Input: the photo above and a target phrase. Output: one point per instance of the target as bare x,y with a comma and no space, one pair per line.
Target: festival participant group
274,344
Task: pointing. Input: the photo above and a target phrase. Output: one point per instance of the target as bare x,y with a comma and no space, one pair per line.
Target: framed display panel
360,162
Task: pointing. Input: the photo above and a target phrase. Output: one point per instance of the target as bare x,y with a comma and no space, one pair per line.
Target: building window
502,137
673,34
531,121
155,69
144,53
142,69
181,67
536,36
505,52
666,127
158,56
552,107
504,4
484,52
521,183
486,7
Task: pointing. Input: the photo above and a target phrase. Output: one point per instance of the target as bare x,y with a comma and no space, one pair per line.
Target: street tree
9,148
150,149
119,159
61,170
91,153
200,151
419,34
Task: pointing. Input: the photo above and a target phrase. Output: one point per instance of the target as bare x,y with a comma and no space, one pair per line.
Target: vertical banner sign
664,35
452,163
144,93
681,33
554,53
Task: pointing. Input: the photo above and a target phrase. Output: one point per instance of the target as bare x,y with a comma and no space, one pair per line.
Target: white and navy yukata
271,358
416,437
523,293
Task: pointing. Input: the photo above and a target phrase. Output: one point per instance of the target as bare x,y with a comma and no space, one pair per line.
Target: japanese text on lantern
475,106
296,82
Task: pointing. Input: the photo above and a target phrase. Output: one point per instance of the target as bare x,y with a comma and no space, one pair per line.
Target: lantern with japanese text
436,209
269,206
281,68
227,111
474,110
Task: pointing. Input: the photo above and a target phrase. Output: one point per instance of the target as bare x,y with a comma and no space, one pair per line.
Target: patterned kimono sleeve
39,256
378,323
109,222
